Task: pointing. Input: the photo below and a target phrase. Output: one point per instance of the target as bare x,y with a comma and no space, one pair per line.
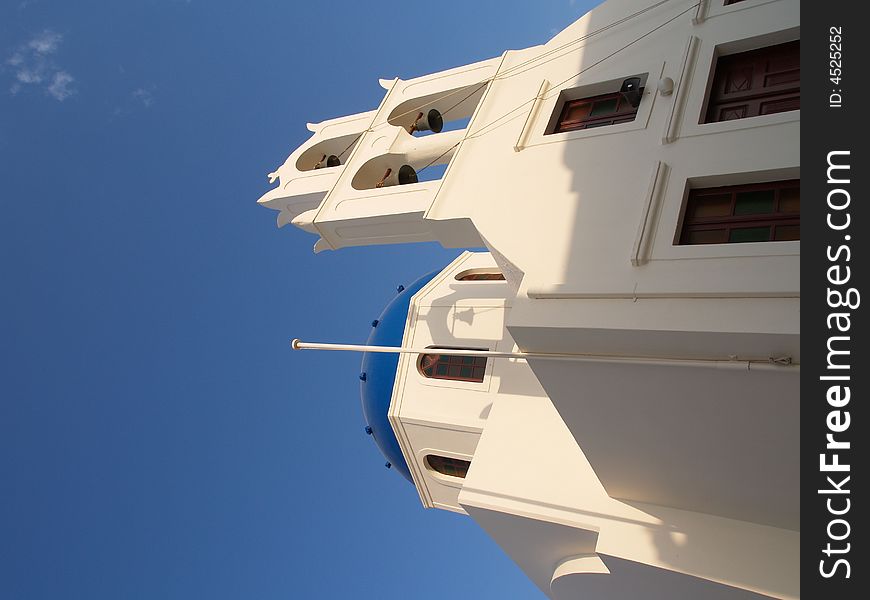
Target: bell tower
367,178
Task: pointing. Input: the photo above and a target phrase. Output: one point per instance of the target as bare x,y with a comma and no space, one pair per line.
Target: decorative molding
325,243
407,368
640,252
385,192
563,292
530,117
452,73
477,110
672,127
476,430
701,13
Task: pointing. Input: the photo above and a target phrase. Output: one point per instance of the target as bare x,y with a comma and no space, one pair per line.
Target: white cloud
137,99
26,75
144,95
45,42
32,65
15,60
60,87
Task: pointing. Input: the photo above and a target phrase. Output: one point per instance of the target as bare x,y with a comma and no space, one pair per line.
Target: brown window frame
480,276
757,92
447,466
624,113
454,365
773,220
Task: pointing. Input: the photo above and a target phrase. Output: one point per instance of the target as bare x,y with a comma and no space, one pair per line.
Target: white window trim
456,482
483,386
585,87
702,82
717,8
671,220
477,271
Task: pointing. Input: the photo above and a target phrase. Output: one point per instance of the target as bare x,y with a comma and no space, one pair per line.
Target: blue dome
378,374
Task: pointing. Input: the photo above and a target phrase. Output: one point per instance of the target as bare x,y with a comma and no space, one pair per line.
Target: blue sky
158,439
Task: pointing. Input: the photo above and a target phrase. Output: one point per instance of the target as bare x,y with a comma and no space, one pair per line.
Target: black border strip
834,227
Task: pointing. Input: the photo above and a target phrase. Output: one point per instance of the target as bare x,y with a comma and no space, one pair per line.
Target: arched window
480,275
456,368
452,467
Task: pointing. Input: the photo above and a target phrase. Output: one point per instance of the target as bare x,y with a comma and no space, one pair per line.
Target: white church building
612,390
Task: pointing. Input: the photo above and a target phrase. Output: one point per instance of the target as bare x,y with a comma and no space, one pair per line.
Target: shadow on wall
443,331
696,426
629,579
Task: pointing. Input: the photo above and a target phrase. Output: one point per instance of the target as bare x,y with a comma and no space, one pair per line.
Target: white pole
736,363
297,344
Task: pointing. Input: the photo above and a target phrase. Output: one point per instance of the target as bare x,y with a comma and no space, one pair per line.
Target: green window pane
604,107
754,203
708,236
750,234
456,367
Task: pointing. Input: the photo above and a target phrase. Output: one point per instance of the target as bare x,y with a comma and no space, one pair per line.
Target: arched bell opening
421,160
447,110
328,153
